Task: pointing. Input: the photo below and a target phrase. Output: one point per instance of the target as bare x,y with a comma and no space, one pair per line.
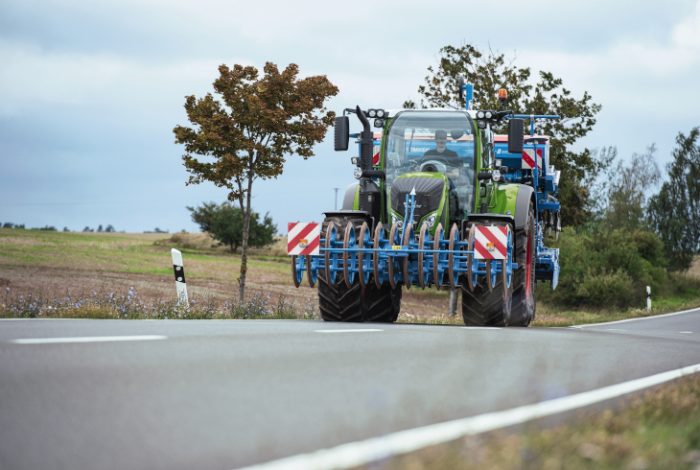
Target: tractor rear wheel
338,302
487,307
523,311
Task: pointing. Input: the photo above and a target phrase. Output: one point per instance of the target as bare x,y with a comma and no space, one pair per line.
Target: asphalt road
225,394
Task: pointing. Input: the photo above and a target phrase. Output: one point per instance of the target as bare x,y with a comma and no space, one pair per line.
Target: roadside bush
608,268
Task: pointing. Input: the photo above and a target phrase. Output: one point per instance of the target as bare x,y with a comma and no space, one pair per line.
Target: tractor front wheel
484,306
338,302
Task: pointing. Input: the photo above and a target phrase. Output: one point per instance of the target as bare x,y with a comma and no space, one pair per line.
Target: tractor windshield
430,141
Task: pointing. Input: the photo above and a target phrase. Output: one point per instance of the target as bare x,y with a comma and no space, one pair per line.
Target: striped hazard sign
529,159
491,242
303,238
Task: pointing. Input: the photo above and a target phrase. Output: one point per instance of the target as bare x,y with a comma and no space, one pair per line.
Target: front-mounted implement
402,255
440,201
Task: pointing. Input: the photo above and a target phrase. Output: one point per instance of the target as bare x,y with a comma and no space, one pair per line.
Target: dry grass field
50,266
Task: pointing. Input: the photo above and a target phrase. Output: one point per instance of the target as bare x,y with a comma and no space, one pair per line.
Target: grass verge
657,429
111,305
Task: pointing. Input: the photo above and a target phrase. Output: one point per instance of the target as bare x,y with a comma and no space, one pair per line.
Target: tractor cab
432,154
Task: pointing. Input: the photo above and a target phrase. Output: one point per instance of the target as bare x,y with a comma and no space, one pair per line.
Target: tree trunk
244,241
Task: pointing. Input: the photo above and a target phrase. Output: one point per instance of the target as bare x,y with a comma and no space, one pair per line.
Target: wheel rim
393,234
296,273
407,237
489,279
330,233
361,271
471,266
378,230
421,245
454,239
436,257
311,274
349,241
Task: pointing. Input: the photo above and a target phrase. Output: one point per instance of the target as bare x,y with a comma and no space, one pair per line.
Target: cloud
686,34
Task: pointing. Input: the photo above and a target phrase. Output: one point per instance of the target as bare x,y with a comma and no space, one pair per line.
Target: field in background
130,276
91,274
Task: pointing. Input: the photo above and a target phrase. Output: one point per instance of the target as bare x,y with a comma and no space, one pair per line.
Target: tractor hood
431,191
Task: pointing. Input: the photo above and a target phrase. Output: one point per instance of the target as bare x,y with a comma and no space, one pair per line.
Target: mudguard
522,203
351,200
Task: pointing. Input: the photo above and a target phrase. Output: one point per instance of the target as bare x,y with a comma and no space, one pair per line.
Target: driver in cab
440,149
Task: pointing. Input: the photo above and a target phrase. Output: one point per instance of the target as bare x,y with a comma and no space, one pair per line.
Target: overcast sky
90,91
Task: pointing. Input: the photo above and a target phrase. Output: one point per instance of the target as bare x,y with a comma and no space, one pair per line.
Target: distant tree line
50,228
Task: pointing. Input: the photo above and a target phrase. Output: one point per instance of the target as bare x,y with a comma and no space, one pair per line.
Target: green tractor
440,201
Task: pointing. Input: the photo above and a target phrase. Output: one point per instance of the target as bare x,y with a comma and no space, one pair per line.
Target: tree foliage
491,71
248,129
675,210
225,223
621,198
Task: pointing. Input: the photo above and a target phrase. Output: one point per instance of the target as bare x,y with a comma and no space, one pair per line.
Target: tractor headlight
496,175
488,115
358,173
480,115
381,113
430,221
372,113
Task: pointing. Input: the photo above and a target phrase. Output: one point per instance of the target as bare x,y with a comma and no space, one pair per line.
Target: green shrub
608,268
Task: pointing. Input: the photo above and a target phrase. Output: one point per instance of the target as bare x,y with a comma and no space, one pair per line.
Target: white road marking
363,452
481,328
686,332
357,330
42,319
650,317
87,339
614,329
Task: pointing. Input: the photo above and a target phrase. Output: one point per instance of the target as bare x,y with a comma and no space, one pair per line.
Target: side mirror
342,133
515,136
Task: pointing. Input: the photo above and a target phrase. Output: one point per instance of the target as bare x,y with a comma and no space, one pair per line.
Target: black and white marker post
648,298
180,285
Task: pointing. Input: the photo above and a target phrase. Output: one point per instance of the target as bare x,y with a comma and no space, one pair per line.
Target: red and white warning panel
491,242
303,238
529,159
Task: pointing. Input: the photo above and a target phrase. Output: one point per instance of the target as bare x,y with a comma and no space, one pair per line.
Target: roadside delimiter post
648,298
180,286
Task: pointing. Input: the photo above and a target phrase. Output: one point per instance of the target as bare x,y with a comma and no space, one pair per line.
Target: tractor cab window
429,141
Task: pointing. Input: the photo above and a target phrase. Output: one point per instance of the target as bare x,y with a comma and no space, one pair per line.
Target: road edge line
363,452
626,320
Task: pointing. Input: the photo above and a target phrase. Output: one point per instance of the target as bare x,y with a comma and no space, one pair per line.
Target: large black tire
356,304
523,310
484,307
381,305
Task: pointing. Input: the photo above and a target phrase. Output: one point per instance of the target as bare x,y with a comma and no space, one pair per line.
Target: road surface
226,394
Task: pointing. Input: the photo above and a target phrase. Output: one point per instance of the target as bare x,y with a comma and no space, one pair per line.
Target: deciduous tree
248,129
675,210
491,71
225,223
